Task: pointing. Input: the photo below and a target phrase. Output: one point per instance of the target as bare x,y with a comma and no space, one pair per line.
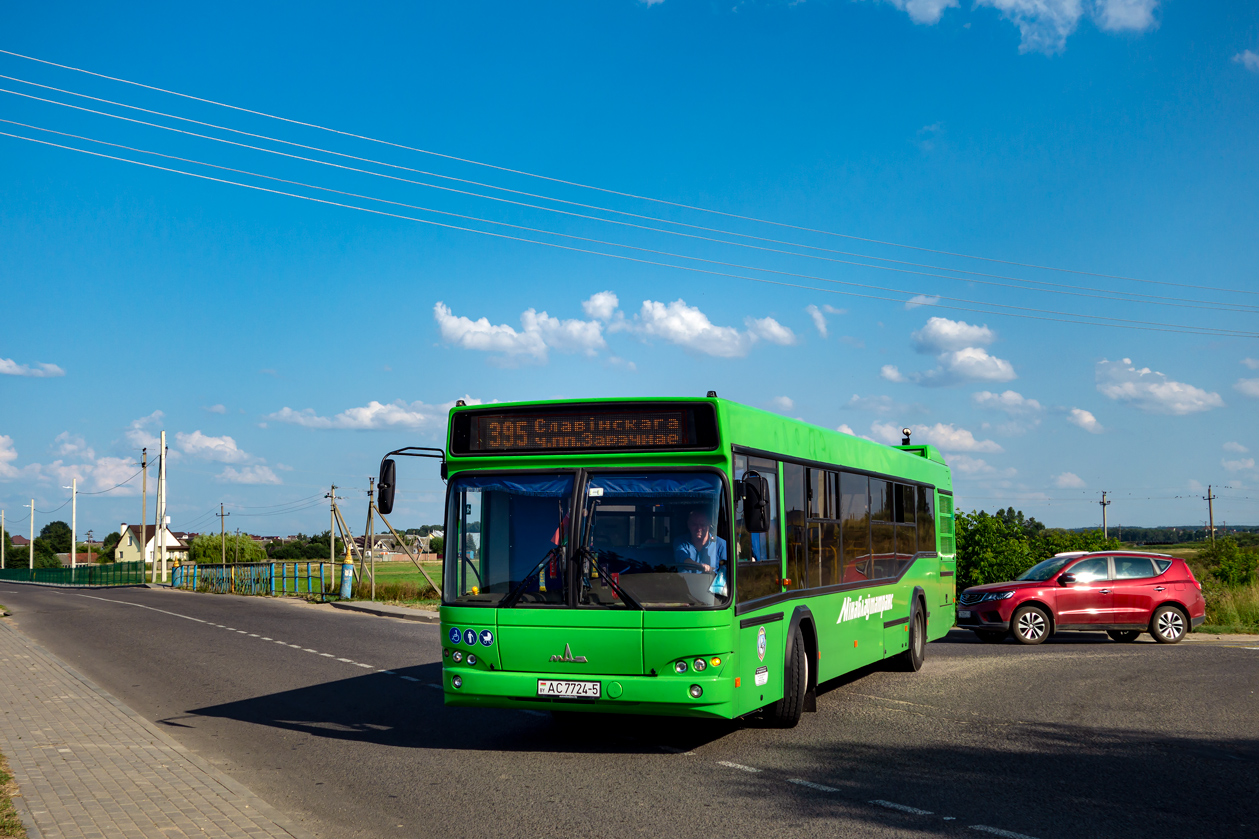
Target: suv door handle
1160,588
1104,591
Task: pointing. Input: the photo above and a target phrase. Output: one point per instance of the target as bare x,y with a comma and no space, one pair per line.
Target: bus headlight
700,665
457,681
680,667
696,691
458,656
471,658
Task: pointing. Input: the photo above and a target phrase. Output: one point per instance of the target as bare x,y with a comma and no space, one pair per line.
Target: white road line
253,635
408,679
811,785
674,750
738,766
996,831
904,808
360,664
294,646
265,638
309,650
534,713
327,655
346,660
141,606
387,672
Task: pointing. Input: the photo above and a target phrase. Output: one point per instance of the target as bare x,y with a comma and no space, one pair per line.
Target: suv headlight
998,595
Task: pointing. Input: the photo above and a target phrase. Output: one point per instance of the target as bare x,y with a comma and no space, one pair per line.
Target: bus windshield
507,532
654,540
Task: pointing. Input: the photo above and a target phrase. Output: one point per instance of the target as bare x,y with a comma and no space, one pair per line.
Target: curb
408,615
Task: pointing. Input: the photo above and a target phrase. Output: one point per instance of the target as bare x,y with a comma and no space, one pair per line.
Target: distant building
139,541
21,542
84,558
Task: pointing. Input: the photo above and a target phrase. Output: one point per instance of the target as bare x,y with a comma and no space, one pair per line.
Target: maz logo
569,657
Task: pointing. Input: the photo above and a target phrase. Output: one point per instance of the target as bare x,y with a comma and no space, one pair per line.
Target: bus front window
655,540
505,533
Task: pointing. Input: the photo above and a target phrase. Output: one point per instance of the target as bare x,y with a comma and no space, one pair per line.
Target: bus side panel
767,658
845,645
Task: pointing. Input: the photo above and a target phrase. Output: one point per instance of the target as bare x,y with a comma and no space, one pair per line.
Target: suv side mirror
1066,579
755,502
385,486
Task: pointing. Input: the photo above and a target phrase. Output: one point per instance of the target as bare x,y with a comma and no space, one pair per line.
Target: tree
207,549
57,535
437,545
304,547
1228,563
109,545
999,547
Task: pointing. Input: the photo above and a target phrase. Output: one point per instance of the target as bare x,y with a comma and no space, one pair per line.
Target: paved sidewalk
386,610
88,767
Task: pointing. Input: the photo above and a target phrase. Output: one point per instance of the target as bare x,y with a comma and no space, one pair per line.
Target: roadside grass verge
400,584
10,825
1232,610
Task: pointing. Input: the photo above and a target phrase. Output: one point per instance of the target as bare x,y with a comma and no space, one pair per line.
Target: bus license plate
564,687
963,613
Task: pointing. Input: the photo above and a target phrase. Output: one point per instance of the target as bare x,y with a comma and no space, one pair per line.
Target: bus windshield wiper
627,598
510,600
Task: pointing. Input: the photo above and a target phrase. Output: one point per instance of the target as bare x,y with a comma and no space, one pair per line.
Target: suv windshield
654,540
1042,571
506,532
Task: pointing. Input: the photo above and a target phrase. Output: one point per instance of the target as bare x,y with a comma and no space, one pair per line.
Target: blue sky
285,344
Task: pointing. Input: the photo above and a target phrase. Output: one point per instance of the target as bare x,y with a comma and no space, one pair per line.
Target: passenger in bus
699,546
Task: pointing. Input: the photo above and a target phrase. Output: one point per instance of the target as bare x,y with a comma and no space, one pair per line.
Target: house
83,558
140,541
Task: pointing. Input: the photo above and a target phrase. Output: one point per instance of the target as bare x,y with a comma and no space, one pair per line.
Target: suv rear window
1133,567
1162,565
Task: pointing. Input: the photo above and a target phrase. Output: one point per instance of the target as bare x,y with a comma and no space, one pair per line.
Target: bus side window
759,571
794,510
882,529
854,519
926,520
906,535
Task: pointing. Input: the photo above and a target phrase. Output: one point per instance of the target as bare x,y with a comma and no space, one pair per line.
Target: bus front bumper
668,695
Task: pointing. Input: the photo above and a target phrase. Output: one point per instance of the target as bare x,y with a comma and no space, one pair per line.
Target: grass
10,825
401,583
1232,611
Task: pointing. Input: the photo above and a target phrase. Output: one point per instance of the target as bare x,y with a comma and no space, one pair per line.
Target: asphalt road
1080,737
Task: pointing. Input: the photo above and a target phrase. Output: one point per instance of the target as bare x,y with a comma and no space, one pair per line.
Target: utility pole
144,503
223,532
3,533
371,532
332,524
1104,504
30,562
237,559
1210,499
74,526
161,492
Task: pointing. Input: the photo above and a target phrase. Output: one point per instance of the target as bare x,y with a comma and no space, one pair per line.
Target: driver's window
759,572
1091,570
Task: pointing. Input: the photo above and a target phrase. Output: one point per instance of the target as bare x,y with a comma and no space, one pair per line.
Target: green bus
688,557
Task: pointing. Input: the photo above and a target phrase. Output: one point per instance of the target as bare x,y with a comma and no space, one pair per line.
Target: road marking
265,638
738,766
360,664
674,750
408,679
811,785
141,606
388,672
327,655
534,713
996,831
252,635
309,650
431,685
904,808
294,646
346,660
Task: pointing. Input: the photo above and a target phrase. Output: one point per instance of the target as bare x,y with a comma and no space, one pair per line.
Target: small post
3,533
347,576
273,577
144,505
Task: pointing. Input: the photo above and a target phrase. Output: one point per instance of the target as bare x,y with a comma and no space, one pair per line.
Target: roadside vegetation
993,548
10,825
401,584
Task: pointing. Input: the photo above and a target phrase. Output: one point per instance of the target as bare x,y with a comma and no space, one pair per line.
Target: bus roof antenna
906,432
712,394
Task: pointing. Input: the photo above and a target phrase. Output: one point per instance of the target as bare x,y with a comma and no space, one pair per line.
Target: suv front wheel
1030,625
1168,625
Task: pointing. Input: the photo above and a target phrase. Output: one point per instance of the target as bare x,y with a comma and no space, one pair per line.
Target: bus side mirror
755,503
384,495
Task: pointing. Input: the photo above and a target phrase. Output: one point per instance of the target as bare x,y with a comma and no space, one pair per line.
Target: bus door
760,668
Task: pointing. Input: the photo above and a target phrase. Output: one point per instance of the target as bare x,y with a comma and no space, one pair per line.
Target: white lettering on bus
859,608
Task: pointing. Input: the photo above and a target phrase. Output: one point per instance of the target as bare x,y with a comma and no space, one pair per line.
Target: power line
1066,317
1079,291
114,487
598,188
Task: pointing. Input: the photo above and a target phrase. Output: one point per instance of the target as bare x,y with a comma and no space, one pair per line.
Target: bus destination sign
626,430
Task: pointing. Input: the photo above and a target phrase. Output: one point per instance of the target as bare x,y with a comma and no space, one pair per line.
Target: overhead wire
1021,283
1065,317
605,190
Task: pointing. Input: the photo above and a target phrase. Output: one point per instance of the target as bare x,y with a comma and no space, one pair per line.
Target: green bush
207,549
1228,563
998,547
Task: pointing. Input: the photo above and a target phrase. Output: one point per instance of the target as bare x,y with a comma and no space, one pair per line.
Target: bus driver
699,546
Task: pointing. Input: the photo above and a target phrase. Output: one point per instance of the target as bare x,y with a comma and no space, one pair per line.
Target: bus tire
911,660
785,713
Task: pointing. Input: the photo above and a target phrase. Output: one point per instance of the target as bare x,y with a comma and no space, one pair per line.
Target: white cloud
945,437
1235,448
1085,419
941,334
1248,59
1013,403
892,373
374,416
768,329
222,449
483,336
73,445
1043,24
1247,387
689,327
977,466
924,11
249,475
138,434
1152,391
1238,465
9,367
1069,480
819,319
845,428
1252,363
570,336
971,364
8,454
601,306
1125,15
215,409
920,300
781,403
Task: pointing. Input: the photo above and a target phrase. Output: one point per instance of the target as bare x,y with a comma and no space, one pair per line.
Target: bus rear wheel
785,713
911,660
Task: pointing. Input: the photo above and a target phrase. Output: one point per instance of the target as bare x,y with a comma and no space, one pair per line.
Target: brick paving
88,767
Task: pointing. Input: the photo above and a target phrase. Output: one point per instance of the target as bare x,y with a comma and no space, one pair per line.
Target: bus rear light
696,691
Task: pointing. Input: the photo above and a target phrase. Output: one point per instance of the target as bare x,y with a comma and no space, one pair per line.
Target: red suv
1122,593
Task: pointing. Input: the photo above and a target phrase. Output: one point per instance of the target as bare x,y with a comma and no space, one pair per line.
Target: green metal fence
256,577
107,574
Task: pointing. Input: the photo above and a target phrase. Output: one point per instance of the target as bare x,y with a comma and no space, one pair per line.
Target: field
401,583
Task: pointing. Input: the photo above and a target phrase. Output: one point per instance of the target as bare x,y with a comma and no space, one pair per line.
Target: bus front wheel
785,713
